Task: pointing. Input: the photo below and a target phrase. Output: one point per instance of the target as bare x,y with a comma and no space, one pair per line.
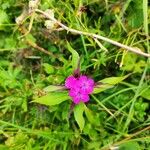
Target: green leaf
10,43
108,83
78,114
130,146
135,14
90,116
52,98
146,94
49,69
3,19
113,80
101,88
52,88
139,66
75,57
129,62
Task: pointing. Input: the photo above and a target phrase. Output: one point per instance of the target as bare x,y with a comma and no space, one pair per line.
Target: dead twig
131,49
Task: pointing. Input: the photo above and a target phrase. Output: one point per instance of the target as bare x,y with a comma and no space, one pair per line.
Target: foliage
36,56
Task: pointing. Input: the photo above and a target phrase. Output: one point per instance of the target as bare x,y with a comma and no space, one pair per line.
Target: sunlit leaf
75,57
78,114
52,98
131,63
108,83
101,88
52,88
113,80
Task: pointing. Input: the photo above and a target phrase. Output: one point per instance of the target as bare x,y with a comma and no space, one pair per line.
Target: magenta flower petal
70,82
78,96
80,88
76,100
86,84
74,92
91,82
83,78
86,89
85,98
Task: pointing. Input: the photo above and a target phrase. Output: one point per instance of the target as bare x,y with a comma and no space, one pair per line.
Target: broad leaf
78,114
75,57
101,88
113,80
108,83
52,98
52,88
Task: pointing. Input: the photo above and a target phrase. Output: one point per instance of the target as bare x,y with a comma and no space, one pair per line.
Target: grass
109,40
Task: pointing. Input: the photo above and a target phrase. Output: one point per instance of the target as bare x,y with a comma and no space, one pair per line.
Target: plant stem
134,50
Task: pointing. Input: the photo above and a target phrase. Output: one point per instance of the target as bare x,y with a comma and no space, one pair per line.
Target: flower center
85,85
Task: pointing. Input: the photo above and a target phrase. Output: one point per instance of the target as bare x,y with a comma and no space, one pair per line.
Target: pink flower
78,96
79,88
86,84
70,82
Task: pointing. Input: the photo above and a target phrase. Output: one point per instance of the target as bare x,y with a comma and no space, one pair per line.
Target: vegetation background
37,55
